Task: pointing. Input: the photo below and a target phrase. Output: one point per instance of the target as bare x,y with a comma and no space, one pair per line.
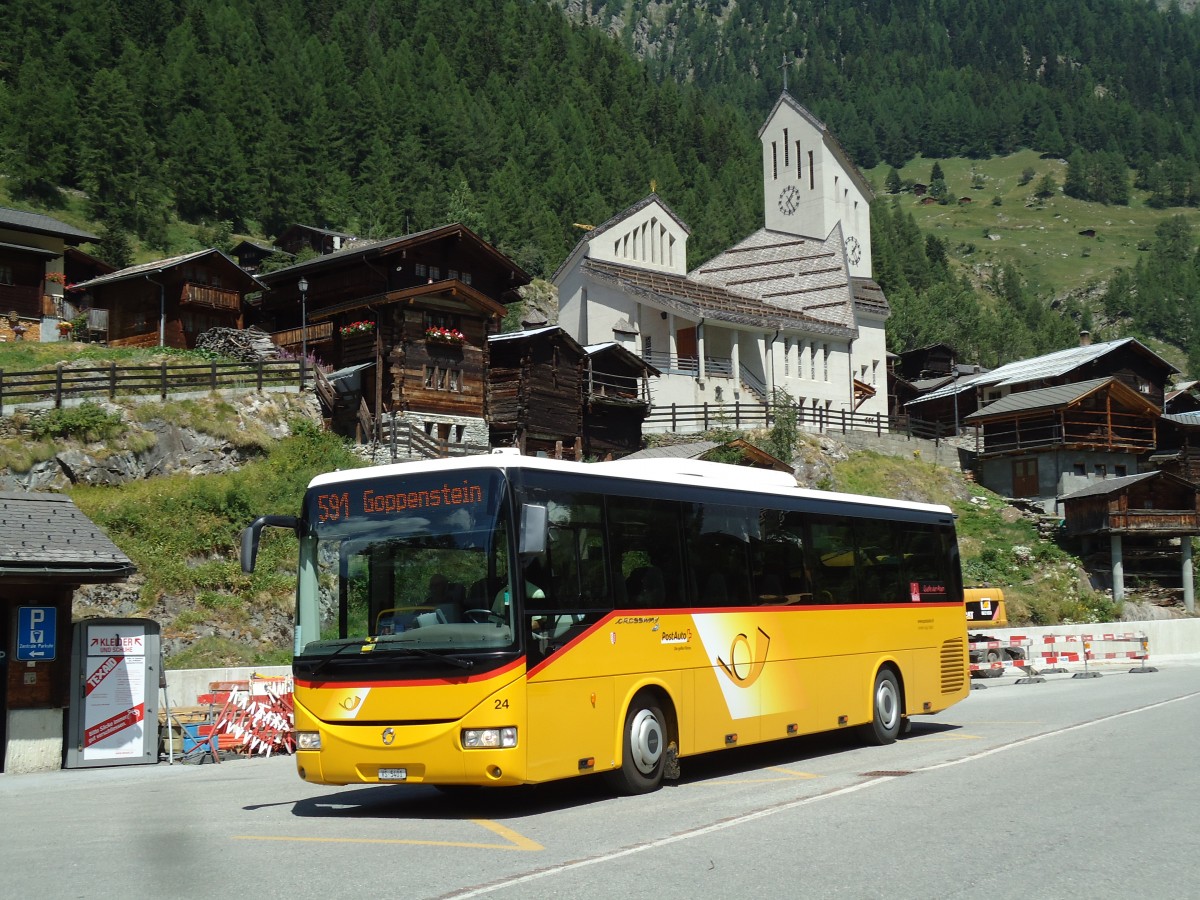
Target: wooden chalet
402,324
1157,513
1044,443
250,254
296,239
1138,367
1177,445
168,302
32,273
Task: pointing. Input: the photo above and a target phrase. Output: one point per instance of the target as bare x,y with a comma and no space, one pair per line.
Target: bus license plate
393,774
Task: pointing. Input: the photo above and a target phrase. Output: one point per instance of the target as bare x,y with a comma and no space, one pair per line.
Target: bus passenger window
718,552
781,573
646,546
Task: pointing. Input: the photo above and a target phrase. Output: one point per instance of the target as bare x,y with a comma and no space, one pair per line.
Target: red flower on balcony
444,335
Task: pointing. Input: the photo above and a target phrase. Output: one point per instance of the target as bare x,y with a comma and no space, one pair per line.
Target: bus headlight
308,740
489,738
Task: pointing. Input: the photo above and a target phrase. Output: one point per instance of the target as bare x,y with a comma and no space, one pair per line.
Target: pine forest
527,119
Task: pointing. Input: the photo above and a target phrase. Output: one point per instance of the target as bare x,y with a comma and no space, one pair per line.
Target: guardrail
61,383
706,416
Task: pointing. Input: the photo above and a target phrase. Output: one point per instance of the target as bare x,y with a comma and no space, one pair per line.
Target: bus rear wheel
887,713
643,751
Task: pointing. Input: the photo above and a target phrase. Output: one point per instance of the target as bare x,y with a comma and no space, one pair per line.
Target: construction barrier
1049,661
259,717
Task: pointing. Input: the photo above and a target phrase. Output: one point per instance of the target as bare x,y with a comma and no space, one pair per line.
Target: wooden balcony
293,338
210,297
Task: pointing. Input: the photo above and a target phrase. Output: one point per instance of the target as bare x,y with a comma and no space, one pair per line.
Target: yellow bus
504,620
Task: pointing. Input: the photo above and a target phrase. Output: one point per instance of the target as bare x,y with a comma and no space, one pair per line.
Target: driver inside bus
532,591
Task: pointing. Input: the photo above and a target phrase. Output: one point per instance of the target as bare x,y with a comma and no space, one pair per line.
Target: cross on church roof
784,66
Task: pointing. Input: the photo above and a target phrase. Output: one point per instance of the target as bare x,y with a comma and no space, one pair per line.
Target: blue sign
35,633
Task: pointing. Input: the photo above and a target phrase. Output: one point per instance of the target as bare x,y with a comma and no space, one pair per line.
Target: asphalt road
1070,788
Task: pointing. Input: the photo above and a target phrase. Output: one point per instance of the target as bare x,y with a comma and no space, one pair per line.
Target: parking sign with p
36,627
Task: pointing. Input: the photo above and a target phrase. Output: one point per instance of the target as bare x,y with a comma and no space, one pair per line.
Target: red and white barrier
1056,652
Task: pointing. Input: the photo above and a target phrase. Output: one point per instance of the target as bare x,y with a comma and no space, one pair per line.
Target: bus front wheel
644,749
887,713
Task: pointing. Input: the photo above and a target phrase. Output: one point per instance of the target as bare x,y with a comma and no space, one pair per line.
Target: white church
792,307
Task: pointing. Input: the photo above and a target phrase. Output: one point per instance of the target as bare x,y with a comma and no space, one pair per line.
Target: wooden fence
53,387
708,416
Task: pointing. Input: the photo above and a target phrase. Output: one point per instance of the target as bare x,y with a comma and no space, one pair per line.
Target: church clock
853,250
789,200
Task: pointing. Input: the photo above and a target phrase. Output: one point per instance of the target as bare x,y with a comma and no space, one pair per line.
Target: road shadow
432,803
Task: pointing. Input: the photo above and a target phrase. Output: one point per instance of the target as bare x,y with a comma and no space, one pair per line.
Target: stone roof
161,265
802,275
1050,365
46,536
709,301
1110,485
19,220
1043,398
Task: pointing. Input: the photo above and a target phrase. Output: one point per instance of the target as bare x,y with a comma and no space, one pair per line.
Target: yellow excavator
985,606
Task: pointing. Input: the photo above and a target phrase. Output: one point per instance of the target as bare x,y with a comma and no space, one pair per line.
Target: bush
86,422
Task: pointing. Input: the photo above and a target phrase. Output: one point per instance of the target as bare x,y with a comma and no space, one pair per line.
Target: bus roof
689,472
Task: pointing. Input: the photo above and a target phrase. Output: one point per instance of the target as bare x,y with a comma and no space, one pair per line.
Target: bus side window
646,545
834,561
573,567
781,572
719,544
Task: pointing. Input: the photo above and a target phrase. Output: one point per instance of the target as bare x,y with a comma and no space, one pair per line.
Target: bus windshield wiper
340,650
459,661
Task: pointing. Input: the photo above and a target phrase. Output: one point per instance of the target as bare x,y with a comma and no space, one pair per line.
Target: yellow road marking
789,773
515,841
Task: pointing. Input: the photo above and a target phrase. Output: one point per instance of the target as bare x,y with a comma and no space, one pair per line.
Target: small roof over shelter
46,537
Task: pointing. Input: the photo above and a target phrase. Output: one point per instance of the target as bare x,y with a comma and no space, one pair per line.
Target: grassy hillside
1041,237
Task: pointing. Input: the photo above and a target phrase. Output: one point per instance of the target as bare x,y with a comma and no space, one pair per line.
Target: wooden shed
535,389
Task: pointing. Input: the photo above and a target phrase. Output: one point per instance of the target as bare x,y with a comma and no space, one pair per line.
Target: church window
774,160
811,178
799,164
786,164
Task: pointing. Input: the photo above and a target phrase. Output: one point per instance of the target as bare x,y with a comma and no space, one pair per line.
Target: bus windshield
413,564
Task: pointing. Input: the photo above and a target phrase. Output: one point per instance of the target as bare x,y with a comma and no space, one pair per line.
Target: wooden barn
535,389
1155,513
402,326
616,399
168,302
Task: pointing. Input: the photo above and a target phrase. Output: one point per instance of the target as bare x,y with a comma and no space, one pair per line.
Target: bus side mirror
533,529
252,533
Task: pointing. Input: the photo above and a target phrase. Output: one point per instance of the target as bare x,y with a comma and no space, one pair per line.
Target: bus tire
643,750
887,710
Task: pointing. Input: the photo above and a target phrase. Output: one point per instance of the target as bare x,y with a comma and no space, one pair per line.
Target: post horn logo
388,736
745,665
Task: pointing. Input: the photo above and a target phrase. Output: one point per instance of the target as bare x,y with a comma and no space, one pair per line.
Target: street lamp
303,285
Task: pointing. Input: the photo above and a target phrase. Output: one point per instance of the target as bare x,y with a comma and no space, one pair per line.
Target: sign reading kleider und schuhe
114,693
